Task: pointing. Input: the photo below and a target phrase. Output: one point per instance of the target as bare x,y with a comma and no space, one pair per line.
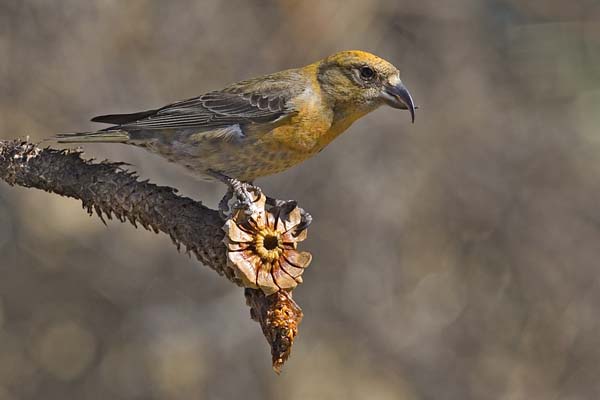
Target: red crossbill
264,125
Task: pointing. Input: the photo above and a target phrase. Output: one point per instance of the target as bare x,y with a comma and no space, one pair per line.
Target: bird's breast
303,132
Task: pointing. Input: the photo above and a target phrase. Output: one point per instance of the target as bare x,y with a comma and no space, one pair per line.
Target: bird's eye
367,72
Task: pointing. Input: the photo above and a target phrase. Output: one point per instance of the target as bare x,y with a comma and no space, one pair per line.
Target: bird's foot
245,195
287,206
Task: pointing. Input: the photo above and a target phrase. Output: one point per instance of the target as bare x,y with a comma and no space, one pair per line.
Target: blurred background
456,258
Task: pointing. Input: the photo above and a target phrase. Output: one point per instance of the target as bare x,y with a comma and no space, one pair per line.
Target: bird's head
357,81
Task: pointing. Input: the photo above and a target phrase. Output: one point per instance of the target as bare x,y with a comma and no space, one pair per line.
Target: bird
264,125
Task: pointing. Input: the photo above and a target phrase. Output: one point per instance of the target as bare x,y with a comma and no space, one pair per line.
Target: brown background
456,258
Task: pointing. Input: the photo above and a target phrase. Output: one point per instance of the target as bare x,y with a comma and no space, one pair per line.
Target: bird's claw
224,203
244,193
289,205
245,196
305,221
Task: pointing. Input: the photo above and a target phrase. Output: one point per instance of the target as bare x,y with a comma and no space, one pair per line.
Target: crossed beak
397,96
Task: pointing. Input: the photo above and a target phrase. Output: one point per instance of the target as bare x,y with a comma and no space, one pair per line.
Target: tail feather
109,136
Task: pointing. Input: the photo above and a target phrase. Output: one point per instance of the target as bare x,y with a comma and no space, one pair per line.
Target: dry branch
109,190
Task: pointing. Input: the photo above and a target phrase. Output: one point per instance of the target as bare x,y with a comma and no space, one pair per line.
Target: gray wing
262,100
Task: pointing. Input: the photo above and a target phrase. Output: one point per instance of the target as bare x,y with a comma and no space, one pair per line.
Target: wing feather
258,101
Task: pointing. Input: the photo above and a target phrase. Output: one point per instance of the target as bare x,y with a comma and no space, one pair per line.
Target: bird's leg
288,205
245,193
